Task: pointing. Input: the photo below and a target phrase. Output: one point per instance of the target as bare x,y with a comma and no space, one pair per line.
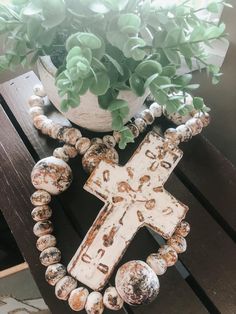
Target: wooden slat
76,202
211,253
212,176
16,188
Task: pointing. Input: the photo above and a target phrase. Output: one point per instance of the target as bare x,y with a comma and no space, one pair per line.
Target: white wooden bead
96,153
185,133
156,110
47,126
204,117
141,124
55,130
82,145
137,283
96,140
59,152
147,116
40,197
50,256
172,135
70,151
45,242
52,175
39,90
78,298
169,255
117,136
42,212
64,287
71,136
109,141
35,111
43,227
157,263
134,129
112,300
35,101
39,120
54,273
195,125
178,243
94,304
183,229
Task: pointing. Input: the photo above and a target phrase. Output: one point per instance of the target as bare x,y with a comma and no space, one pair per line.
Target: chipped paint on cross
134,197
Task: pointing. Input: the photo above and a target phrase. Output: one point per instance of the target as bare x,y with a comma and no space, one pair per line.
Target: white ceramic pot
88,114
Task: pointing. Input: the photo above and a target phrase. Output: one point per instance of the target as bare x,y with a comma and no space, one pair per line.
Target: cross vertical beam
134,197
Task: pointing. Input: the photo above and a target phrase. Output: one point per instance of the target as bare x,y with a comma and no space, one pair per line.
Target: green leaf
32,9
100,86
118,104
89,40
147,68
117,122
129,23
115,64
198,103
137,84
168,70
105,100
64,105
159,95
126,137
150,80
54,12
191,87
214,7
132,49
172,56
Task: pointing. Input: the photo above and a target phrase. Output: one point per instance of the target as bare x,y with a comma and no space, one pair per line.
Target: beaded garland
53,175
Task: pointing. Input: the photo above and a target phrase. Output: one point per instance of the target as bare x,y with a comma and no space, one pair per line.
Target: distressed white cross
134,197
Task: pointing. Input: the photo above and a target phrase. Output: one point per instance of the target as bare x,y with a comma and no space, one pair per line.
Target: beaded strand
66,287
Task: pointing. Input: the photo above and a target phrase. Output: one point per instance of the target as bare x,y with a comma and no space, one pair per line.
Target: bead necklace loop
52,176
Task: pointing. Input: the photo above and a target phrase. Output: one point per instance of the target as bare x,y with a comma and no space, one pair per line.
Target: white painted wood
88,114
134,197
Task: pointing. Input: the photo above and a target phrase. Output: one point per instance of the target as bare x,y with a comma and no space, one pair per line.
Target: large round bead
94,304
137,283
78,298
52,175
54,273
112,300
96,153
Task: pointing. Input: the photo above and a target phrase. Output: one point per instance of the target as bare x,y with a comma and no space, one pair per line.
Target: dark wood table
203,280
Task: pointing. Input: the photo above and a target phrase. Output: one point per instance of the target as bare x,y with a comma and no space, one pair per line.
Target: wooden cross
134,197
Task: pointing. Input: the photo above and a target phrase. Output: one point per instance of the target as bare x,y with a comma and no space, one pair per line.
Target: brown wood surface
211,252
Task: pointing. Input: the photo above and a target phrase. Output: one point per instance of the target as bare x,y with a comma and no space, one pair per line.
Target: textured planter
88,114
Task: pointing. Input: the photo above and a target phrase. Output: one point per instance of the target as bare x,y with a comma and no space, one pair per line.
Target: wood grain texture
212,175
76,202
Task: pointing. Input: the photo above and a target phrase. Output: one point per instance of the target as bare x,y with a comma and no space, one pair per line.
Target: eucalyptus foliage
106,46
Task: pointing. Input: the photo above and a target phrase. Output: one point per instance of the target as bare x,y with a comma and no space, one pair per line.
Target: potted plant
99,59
